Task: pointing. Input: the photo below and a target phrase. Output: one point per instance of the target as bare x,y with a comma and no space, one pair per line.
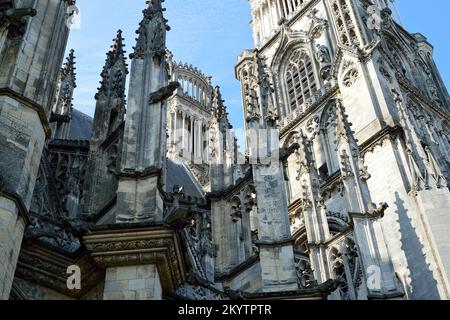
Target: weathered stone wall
132,283
21,142
248,280
404,231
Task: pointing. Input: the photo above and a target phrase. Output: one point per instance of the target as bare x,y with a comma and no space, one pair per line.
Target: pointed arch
327,139
290,90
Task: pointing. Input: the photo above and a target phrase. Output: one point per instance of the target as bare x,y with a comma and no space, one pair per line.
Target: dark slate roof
80,126
178,175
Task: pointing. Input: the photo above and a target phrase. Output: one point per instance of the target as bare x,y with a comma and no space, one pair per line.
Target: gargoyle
13,17
163,93
378,212
234,295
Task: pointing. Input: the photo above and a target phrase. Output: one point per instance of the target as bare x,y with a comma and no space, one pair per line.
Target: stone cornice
238,269
190,102
140,175
406,85
30,104
319,292
379,137
71,146
274,243
125,245
222,194
59,118
48,268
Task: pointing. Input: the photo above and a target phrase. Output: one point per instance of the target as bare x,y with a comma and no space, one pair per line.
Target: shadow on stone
419,269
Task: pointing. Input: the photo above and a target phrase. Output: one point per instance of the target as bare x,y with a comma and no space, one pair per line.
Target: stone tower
31,53
362,102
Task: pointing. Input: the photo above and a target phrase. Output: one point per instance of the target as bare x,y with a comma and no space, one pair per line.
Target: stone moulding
321,292
21,208
31,104
139,246
333,91
292,20
228,276
47,267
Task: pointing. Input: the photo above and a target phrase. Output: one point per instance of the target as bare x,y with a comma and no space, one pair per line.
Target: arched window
347,269
302,260
300,81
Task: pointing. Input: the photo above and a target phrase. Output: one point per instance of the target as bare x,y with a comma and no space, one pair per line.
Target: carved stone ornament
150,245
350,78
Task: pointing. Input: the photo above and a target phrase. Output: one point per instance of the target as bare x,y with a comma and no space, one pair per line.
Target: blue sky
210,34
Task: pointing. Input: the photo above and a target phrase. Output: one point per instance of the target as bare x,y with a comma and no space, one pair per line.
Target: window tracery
347,269
300,79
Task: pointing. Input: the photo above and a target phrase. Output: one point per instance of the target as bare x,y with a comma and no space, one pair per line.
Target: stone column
197,146
175,130
12,227
279,10
204,154
191,140
285,12
195,142
272,18
183,132
290,7
261,23
278,272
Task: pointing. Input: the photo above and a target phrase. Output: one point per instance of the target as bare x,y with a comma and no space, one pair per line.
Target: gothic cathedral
341,192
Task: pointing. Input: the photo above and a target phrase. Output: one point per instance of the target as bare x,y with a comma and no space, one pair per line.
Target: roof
80,126
178,175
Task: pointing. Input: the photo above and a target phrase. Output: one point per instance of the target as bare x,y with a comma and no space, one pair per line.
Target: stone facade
341,192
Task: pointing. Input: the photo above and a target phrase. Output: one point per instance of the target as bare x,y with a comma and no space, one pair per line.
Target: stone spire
62,110
221,143
114,70
152,32
67,86
68,69
142,175
313,207
219,110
